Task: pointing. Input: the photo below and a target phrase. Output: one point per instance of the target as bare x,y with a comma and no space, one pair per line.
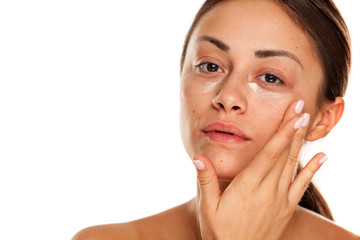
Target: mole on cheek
193,111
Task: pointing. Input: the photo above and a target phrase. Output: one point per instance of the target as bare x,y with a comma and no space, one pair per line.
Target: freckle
193,111
221,161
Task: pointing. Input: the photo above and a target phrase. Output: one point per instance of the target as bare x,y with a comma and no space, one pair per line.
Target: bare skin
180,223
229,79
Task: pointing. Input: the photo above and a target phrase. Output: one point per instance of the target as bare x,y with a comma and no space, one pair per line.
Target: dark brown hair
325,27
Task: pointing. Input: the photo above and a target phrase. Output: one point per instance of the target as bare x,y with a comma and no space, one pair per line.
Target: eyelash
276,83
201,66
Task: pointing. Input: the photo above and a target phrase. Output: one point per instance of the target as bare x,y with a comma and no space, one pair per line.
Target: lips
224,133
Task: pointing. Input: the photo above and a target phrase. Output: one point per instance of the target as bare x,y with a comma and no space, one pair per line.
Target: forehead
250,25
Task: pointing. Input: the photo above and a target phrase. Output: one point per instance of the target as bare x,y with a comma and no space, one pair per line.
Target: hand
261,199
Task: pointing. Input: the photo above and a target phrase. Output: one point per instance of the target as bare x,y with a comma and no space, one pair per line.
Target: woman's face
245,63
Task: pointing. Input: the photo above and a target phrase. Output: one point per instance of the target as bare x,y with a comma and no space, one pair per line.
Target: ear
328,116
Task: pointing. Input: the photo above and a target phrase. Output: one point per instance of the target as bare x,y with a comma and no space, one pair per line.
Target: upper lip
223,127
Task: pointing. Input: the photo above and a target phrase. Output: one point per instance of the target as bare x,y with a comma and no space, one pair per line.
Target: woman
257,79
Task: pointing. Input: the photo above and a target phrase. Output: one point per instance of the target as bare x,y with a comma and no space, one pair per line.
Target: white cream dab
209,86
275,101
265,93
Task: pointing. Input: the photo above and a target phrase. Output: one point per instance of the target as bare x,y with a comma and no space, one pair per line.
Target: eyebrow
277,53
222,46
259,54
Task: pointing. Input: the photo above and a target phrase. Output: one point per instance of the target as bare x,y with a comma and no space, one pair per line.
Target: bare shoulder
312,226
174,220
109,231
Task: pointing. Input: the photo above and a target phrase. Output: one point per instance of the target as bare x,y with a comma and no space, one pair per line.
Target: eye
271,79
209,67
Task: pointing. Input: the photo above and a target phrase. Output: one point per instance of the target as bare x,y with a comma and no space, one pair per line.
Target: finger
275,173
292,159
288,159
276,145
270,154
303,179
207,182
294,109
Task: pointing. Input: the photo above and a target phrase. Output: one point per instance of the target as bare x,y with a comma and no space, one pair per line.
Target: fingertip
306,120
322,160
200,162
298,123
299,106
317,161
303,121
199,165
295,108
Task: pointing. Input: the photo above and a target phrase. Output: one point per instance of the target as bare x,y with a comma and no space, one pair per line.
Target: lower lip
224,138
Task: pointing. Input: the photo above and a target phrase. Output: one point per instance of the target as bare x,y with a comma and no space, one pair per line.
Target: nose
231,96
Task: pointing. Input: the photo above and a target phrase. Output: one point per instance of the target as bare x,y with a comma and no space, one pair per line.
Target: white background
89,109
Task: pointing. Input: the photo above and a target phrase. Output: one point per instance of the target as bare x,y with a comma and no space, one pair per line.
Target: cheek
196,95
267,110
195,102
269,104
192,87
310,97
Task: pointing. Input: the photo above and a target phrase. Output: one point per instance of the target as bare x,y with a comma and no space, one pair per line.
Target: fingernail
199,165
322,160
299,106
306,120
299,123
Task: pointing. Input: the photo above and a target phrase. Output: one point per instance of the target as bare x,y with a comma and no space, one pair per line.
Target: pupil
270,78
212,67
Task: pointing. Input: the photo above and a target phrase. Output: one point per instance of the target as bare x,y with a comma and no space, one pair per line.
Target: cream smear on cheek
274,102
209,86
266,94
198,88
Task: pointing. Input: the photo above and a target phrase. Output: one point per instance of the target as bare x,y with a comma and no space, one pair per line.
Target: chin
226,164
226,172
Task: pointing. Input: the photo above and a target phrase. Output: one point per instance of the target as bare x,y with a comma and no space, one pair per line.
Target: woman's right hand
261,199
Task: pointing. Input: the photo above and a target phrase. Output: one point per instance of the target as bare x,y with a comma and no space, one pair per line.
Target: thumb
208,182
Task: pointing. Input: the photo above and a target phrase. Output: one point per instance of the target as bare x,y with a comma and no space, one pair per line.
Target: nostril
235,107
221,105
